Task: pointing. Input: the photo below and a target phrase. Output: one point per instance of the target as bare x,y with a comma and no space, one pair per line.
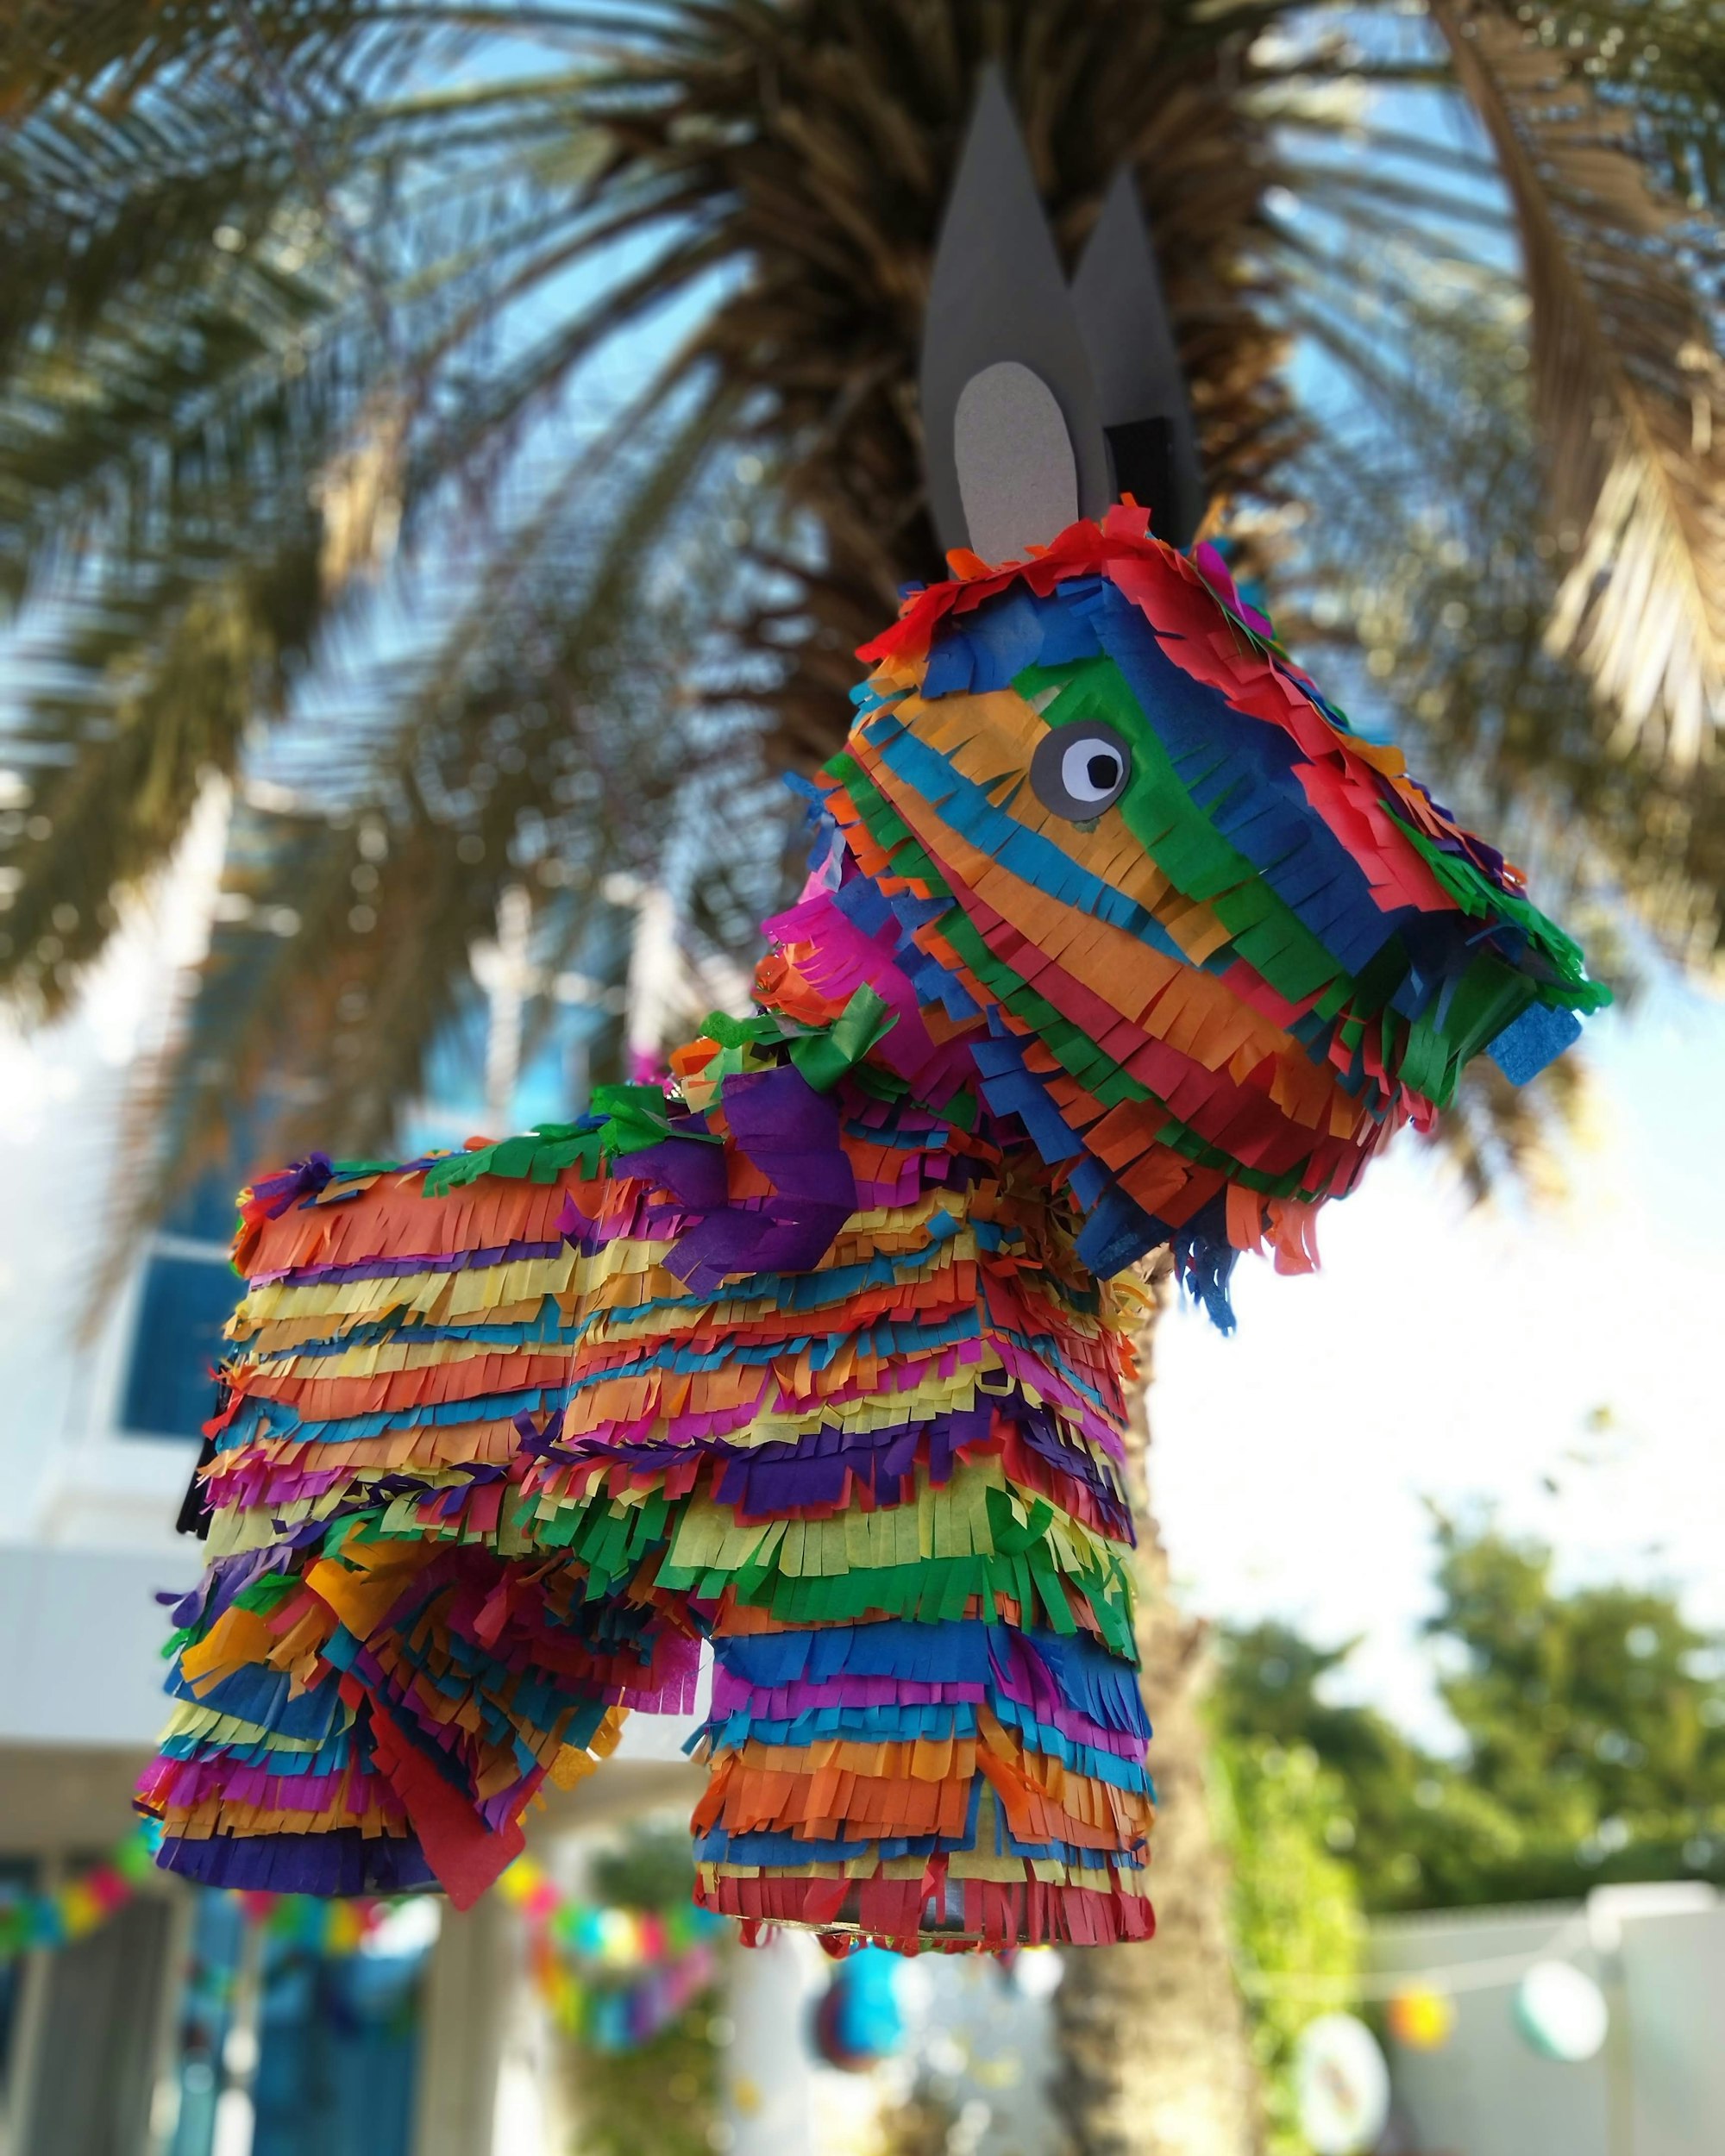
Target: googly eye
1091,773
1079,770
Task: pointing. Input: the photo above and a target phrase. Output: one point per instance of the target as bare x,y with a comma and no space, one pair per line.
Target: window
187,1296
17,1879
523,1045
89,2093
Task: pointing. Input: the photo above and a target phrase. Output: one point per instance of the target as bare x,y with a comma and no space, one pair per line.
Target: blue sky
1460,1355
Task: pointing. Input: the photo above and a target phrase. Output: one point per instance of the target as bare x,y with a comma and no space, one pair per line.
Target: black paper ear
1013,440
1140,391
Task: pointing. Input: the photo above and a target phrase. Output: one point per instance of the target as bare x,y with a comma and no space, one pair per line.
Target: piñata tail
1115,937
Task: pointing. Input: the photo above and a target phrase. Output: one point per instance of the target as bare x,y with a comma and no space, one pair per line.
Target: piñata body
1115,937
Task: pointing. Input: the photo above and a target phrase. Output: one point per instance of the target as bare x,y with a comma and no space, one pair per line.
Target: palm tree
466,422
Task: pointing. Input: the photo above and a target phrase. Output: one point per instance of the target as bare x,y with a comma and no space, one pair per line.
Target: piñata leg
374,1719
957,1754
382,1664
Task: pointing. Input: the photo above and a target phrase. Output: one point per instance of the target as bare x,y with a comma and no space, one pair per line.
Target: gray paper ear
1000,477
1140,391
1017,479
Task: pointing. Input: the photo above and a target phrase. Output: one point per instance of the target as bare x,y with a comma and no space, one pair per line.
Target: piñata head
1209,945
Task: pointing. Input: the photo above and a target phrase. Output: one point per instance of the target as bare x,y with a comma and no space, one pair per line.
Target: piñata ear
1013,440
1141,390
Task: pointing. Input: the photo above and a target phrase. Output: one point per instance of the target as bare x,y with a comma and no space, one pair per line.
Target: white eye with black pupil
1079,770
1089,773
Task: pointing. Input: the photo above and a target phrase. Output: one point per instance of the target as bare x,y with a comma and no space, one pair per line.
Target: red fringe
906,1915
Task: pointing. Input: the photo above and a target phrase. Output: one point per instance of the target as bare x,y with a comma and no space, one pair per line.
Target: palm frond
449,301
197,659
1417,576
771,176
1667,64
1629,388
541,741
1497,1137
111,52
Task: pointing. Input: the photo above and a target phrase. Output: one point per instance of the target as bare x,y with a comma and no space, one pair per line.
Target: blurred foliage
1592,1728
1417,577
1669,57
661,2099
648,1868
921,2125
1296,1904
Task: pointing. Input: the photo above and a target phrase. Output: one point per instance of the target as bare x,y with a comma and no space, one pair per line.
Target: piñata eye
1078,771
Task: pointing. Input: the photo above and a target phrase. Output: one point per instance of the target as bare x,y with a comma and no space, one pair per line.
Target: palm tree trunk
1154,2055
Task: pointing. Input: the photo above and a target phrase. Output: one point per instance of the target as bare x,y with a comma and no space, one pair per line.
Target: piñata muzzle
1115,937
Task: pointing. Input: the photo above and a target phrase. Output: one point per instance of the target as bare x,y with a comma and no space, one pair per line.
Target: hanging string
1499,1971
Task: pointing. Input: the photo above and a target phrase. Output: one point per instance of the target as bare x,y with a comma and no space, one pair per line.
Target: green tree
1592,1726
1267,1693
1594,1718
1286,1823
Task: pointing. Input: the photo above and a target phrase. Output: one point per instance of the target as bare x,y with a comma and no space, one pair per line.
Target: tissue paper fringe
820,1352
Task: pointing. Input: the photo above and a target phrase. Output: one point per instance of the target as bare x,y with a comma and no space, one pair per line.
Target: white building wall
67,1476
1657,2087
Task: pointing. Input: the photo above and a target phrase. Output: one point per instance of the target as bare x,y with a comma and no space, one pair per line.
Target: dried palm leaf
1629,389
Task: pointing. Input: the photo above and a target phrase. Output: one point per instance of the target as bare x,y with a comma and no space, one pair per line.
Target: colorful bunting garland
613,1977
34,1923
333,1928
1116,936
